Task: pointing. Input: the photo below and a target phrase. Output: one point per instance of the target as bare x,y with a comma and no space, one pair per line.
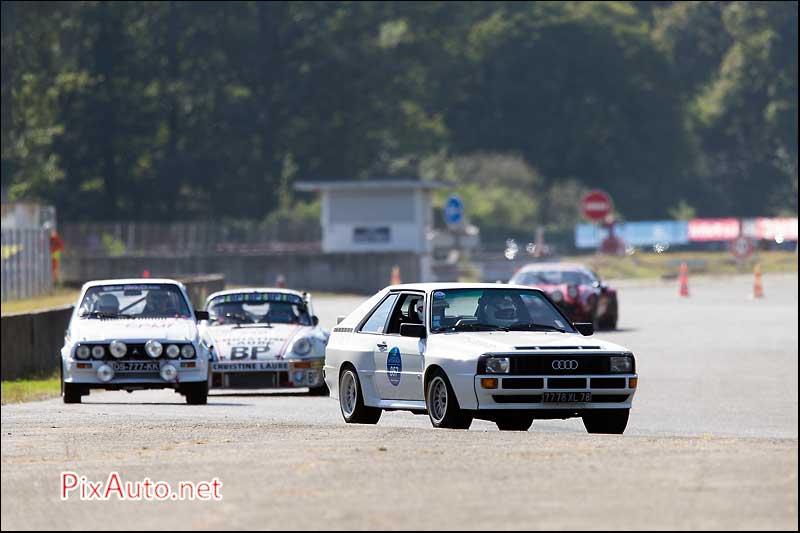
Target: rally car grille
555,365
135,352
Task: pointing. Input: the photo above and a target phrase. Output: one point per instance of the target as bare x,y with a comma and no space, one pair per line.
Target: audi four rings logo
565,364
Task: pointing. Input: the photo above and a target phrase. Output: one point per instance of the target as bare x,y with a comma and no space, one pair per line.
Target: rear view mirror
584,328
413,330
201,315
315,320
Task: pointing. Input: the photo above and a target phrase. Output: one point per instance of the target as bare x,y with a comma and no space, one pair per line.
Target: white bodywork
457,353
133,331
267,355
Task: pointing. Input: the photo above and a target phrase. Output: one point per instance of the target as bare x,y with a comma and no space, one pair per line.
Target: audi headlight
173,351
98,352
302,346
621,365
187,352
153,348
498,365
82,352
118,349
556,296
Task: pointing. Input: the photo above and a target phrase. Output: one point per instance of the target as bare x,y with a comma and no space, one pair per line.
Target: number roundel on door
394,366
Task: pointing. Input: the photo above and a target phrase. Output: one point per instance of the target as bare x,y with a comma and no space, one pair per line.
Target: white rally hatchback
458,351
134,334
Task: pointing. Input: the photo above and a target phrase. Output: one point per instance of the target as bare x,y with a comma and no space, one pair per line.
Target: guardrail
30,343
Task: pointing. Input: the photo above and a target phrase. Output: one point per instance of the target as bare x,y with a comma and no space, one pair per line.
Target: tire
71,393
196,393
515,423
442,404
351,402
322,390
610,421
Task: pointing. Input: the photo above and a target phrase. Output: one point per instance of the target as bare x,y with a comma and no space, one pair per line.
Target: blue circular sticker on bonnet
394,366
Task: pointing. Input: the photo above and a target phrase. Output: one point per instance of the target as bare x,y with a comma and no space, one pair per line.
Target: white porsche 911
134,334
265,338
458,351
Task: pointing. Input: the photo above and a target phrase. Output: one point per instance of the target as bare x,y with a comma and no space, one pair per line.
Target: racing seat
107,303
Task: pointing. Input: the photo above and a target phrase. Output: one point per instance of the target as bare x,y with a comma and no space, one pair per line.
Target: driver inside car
497,309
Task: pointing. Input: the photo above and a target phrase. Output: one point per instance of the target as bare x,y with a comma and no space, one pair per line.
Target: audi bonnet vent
557,347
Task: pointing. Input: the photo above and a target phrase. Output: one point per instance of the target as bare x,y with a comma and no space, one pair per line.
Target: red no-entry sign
596,206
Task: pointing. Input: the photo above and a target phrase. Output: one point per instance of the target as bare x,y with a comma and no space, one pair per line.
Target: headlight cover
621,364
153,348
173,351
302,346
118,349
187,352
498,365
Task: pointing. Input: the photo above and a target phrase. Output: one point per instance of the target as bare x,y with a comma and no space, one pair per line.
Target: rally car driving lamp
82,352
623,364
98,352
118,349
187,352
105,373
153,348
169,373
498,365
173,351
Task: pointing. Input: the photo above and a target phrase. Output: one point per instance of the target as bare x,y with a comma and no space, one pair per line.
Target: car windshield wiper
473,326
100,314
534,326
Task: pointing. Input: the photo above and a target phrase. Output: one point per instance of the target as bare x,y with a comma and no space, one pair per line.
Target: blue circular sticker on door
394,366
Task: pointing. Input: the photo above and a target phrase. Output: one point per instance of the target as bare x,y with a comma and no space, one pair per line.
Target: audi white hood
471,344
133,329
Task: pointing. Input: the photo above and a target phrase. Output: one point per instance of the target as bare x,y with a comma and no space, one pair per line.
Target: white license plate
135,366
567,397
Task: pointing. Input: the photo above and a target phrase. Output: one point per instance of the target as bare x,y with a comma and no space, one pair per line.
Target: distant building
377,216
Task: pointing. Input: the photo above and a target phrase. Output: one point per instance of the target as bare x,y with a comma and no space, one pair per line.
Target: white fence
25,263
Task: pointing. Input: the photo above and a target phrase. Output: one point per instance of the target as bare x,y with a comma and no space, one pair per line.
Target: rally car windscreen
512,309
134,301
259,308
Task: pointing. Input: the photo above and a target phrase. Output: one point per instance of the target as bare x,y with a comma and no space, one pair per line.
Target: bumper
84,372
532,393
267,374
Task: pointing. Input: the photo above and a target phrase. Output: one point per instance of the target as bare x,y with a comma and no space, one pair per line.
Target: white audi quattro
458,351
134,334
265,338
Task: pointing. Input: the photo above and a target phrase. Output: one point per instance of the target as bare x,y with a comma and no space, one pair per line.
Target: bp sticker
394,366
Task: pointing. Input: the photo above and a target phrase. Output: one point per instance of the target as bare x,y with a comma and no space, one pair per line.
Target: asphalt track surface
711,443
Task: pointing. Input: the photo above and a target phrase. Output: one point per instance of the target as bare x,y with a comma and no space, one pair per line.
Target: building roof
366,185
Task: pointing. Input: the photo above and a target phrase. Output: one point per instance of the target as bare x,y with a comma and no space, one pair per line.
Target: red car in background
578,291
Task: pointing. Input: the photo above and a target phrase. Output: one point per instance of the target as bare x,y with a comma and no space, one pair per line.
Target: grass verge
28,390
57,299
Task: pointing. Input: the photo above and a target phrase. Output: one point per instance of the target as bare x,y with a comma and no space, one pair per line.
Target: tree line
207,110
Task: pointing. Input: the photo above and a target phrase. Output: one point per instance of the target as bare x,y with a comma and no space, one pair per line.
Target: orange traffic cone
395,280
145,273
758,289
684,280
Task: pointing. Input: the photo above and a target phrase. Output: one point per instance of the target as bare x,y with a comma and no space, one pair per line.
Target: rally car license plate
135,366
567,397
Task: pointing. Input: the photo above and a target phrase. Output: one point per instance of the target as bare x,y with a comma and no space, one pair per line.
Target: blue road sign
453,211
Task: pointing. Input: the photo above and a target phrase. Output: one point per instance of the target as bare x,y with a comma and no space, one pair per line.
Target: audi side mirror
584,328
413,330
201,315
315,320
